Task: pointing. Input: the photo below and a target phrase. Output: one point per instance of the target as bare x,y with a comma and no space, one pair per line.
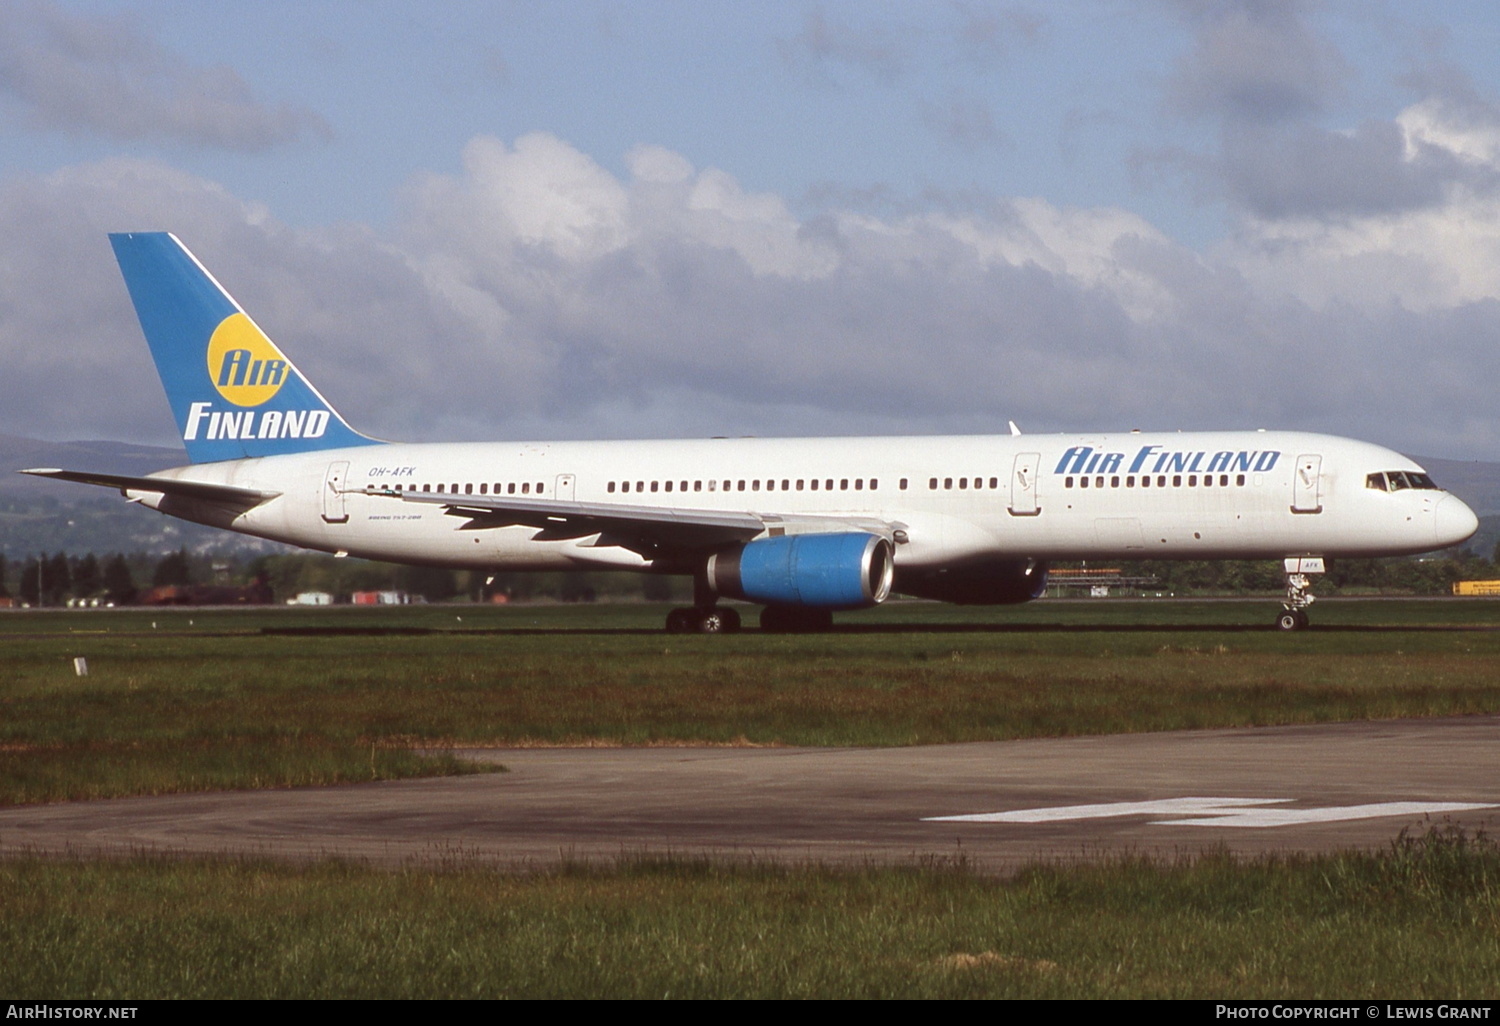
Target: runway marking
1219,812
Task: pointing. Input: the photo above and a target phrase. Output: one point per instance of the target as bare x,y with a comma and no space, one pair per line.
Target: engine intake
822,571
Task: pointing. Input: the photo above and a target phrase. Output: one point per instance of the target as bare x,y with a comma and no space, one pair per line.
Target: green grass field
194,700
1419,920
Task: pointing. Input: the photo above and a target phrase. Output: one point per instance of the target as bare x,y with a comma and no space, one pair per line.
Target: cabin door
1023,485
564,487
1307,485
334,482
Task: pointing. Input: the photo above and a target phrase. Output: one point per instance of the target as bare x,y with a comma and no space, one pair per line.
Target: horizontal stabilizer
201,490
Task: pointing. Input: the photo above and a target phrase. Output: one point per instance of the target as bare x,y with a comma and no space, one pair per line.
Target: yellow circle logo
244,365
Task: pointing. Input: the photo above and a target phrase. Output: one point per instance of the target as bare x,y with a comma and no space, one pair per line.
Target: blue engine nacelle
819,571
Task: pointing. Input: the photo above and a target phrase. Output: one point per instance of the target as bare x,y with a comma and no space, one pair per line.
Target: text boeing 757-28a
804,526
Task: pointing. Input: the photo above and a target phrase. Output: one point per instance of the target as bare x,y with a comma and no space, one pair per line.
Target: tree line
121,579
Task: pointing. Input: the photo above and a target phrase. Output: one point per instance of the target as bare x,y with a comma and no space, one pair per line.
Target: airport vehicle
802,526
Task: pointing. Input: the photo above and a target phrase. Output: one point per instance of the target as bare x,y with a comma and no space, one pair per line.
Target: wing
649,530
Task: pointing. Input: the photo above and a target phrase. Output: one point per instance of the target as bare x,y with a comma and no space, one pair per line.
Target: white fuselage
954,499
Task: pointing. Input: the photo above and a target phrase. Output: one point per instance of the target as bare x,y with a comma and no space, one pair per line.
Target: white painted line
1227,812
1260,818
1160,807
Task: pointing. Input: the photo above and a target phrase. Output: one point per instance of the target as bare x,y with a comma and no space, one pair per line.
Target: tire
680,621
710,621
1290,621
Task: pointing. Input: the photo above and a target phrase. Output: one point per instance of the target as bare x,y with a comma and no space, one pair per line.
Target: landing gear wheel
1292,620
703,621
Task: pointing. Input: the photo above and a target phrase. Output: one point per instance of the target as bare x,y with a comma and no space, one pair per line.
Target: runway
1288,789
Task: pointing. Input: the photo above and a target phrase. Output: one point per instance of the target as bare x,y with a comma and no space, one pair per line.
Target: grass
1419,920
195,700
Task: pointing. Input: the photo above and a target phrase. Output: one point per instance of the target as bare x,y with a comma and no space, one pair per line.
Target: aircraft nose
1455,522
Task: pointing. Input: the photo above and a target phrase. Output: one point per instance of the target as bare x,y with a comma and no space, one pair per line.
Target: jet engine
818,571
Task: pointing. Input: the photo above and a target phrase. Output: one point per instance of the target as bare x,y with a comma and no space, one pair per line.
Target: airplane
802,526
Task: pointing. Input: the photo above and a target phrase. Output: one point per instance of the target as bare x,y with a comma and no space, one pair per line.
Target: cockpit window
1399,480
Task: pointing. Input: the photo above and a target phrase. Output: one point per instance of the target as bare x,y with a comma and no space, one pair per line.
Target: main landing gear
705,616
1293,615
715,620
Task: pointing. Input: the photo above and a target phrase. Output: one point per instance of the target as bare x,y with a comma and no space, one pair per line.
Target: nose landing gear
1293,615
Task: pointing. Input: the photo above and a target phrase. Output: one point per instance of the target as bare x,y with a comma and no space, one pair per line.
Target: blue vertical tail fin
233,393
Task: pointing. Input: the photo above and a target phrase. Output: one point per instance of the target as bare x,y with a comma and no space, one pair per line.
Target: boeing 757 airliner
803,526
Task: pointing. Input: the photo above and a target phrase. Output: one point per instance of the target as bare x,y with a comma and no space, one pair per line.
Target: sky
586,218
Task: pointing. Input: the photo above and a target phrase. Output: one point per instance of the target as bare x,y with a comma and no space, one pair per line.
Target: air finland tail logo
244,365
247,370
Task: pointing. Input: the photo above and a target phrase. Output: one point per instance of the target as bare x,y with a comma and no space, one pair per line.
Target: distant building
311,598
380,598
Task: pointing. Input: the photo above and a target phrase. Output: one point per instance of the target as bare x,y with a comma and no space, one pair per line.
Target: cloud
825,43
986,32
534,293
1254,61
74,73
964,121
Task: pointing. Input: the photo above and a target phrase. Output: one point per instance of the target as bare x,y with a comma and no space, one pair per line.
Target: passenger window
1176,480
932,483
828,485
1067,482
1130,481
1192,480
1239,480
1114,482
844,485
814,484
963,484
526,488
947,482
610,488
1099,481
902,485
994,482
1145,481
874,484
1083,482
669,486
800,483
741,486
1161,480
785,485
683,487
653,486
